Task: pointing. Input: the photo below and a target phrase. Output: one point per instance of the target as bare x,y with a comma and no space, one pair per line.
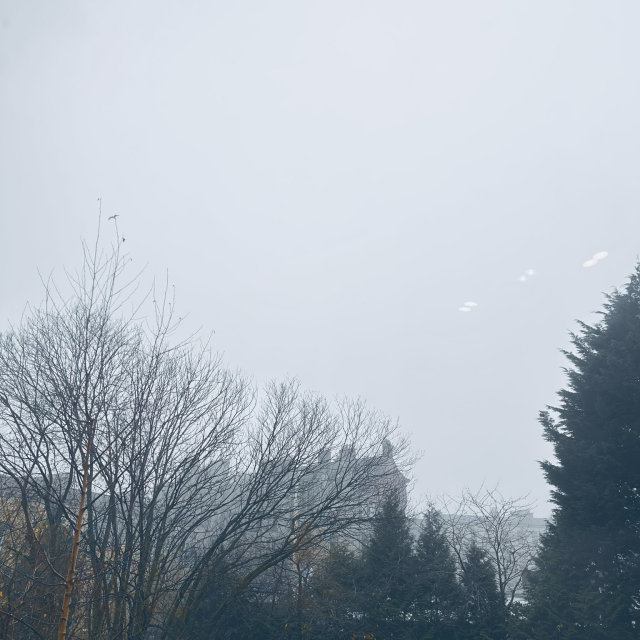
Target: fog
331,185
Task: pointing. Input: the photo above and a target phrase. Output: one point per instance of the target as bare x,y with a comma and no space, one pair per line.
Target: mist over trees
147,491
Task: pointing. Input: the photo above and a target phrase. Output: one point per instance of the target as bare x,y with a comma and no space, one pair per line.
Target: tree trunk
66,601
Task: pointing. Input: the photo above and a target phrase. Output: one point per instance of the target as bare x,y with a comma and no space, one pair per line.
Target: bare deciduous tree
497,525
162,462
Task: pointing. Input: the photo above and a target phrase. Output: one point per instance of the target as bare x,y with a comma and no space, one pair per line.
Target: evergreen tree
241,617
334,596
438,593
388,567
484,609
587,582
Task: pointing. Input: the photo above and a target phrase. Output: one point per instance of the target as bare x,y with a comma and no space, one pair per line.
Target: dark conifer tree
241,616
587,583
388,568
438,593
483,609
334,596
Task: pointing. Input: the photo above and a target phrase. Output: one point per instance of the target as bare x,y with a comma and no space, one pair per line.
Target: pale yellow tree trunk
66,601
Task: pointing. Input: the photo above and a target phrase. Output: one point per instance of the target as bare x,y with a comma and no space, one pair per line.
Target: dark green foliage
218,582
335,597
388,573
483,609
393,590
588,572
438,596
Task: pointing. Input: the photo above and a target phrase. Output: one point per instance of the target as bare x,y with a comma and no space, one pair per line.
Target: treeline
396,585
133,465
147,492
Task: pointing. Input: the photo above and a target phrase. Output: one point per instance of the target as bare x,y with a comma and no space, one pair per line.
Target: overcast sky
327,183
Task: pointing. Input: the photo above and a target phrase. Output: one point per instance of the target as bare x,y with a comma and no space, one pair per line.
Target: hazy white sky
328,182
